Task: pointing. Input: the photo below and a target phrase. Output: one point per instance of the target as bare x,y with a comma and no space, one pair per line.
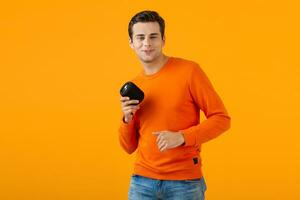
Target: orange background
62,64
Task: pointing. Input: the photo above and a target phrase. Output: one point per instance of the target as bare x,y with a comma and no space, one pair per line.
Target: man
165,127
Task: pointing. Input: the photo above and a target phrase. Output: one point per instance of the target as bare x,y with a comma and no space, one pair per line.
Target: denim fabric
143,188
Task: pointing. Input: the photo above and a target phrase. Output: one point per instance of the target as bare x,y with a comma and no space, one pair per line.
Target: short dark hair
147,16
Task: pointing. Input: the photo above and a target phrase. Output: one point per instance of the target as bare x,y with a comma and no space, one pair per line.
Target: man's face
146,41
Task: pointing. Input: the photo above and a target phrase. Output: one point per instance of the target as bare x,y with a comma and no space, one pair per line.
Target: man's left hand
168,139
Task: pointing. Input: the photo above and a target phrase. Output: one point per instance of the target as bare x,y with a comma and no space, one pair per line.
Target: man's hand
128,108
168,139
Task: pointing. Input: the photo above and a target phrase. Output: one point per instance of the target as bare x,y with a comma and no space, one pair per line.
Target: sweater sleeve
129,135
206,99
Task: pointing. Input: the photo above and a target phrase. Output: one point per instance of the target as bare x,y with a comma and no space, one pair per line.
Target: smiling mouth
147,51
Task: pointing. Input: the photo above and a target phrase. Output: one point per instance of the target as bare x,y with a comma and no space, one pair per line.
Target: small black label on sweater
195,161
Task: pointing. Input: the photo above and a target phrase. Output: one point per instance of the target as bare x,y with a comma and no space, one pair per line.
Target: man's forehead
143,34
146,28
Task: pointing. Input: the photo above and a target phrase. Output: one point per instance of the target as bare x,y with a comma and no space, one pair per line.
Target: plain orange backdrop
62,64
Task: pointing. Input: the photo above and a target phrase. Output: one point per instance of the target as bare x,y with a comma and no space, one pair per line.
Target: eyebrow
152,34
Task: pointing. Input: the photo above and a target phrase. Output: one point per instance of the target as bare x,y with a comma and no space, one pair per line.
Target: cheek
158,44
137,45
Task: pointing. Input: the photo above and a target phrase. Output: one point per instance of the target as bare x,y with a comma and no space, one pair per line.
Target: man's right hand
128,109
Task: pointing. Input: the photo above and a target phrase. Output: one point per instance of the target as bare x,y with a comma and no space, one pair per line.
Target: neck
154,66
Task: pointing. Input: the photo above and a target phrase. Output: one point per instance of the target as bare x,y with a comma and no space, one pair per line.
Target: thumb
156,133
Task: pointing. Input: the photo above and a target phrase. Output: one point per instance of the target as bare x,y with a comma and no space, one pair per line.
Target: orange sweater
173,99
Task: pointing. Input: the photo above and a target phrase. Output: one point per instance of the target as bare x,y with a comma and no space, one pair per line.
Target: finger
129,102
165,131
126,109
128,113
124,99
160,143
125,104
159,138
131,107
156,133
164,147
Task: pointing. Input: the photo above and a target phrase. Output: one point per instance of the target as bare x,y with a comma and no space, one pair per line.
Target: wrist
183,140
126,120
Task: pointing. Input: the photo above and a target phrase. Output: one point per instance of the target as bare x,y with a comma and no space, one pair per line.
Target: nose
147,42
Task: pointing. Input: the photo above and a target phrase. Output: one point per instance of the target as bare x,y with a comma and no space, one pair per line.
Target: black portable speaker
129,89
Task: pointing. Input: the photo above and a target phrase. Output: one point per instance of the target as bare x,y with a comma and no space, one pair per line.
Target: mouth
148,51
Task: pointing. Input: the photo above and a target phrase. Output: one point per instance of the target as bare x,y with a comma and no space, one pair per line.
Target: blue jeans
143,188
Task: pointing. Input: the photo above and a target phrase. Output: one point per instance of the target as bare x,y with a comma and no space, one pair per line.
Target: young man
165,127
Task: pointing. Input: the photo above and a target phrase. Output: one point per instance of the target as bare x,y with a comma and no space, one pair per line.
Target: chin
147,59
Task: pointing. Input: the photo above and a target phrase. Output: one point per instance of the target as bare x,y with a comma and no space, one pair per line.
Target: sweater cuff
189,138
127,125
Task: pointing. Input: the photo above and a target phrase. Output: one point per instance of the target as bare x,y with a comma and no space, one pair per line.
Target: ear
164,40
130,43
